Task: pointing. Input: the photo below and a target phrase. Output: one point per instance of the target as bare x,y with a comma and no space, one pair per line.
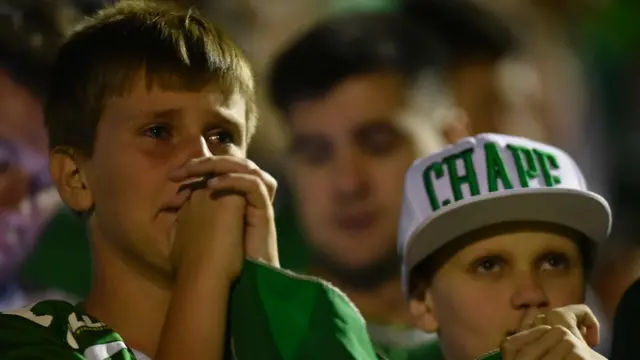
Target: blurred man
30,32
362,98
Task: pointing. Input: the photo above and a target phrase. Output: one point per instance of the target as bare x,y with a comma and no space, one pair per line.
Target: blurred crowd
337,79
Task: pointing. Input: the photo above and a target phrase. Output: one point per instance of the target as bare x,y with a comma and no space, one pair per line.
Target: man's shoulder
56,325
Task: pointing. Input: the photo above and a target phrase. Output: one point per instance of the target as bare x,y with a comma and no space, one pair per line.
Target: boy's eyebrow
230,117
173,115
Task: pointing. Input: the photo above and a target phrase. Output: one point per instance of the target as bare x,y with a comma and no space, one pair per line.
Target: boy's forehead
140,98
523,241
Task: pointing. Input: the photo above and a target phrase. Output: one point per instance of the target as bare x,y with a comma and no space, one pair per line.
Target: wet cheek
135,179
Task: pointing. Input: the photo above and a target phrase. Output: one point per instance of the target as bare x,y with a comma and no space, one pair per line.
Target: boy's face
141,138
350,152
482,294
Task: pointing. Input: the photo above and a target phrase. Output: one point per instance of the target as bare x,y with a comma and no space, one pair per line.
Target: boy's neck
383,305
127,298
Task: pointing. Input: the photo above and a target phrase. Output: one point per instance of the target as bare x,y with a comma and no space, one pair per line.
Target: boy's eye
158,132
222,137
488,265
554,261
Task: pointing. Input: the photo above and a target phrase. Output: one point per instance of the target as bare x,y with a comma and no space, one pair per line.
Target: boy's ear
422,311
65,167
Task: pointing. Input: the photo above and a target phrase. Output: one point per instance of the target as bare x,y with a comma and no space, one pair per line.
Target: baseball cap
489,179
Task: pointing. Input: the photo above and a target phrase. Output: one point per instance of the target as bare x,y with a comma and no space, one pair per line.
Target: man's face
350,152
485,291
141,138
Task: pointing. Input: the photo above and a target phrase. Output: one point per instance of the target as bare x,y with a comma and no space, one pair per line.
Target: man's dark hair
469,32
346,46
171,46
31,31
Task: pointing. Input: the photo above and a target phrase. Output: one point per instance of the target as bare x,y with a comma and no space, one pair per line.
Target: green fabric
288,316
273,315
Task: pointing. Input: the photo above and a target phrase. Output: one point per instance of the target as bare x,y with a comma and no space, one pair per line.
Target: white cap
489,179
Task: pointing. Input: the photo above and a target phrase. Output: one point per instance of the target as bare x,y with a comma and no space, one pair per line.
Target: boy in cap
497,234
148,127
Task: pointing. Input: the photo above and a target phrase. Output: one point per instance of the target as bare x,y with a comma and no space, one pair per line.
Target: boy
150,101
497,233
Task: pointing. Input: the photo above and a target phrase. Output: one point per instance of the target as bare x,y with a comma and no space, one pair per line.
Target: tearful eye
158,132
221,137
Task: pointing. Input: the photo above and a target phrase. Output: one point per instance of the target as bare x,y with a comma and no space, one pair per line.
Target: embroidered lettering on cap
530,164
456,180
496,170
534,158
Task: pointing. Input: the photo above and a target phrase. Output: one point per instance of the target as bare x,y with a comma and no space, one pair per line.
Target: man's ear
456,126
65,167
422,312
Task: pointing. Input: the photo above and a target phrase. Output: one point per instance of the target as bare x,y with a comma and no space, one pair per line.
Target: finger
579,319
221,165
588,324
251,186
563,351
565,318
541,348
212,165
513,344
531,320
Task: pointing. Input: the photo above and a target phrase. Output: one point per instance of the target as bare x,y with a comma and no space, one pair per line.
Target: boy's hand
563,333
210,232
241,176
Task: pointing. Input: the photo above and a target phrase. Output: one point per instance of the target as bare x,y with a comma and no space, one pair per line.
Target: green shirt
57,330
273,315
